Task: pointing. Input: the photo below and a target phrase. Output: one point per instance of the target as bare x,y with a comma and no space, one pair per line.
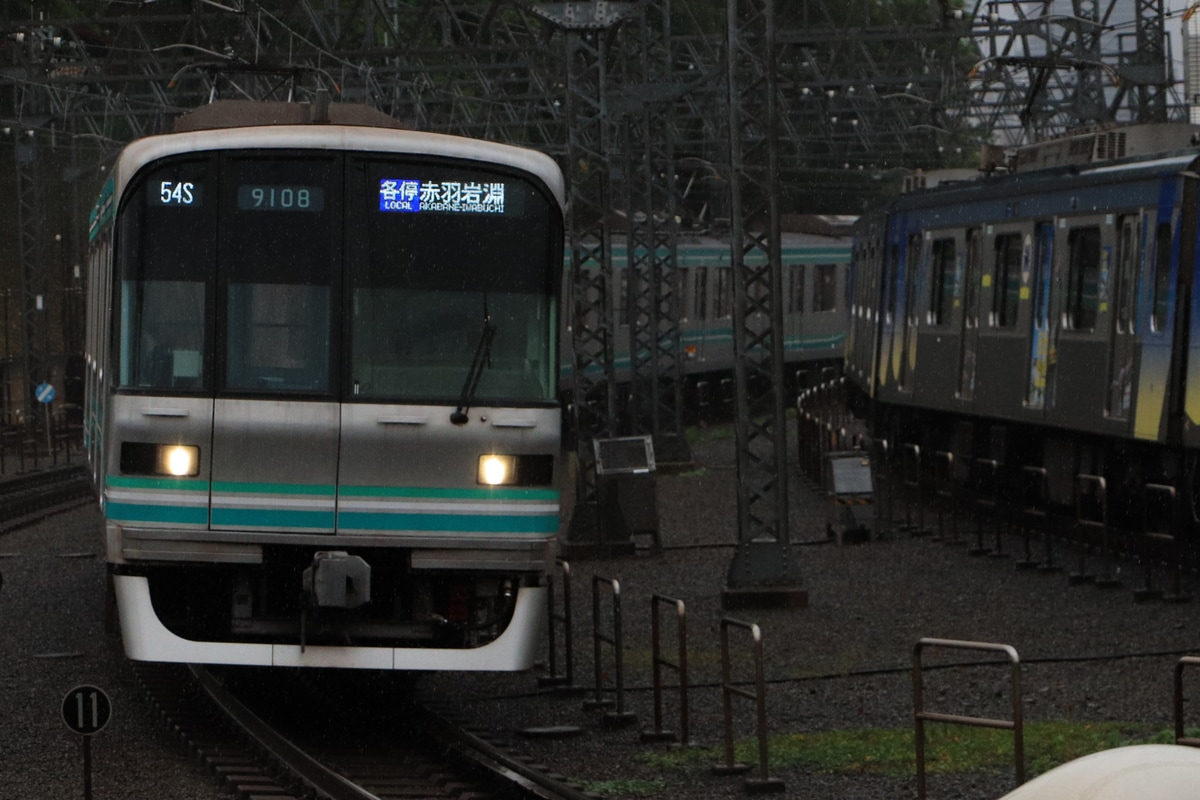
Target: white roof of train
342,138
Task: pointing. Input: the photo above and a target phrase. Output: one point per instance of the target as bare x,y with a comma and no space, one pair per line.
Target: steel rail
315,775
480,753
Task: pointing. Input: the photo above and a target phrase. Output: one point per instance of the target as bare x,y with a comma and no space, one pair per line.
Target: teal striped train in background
814,305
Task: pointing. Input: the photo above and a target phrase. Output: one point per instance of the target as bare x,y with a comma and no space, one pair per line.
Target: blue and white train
1044,317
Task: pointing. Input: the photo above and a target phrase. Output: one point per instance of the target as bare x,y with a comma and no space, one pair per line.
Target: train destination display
410,195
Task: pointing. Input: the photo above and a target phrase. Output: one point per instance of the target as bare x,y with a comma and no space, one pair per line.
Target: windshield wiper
483,357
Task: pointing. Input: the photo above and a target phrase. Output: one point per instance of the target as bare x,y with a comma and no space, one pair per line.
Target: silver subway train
322,404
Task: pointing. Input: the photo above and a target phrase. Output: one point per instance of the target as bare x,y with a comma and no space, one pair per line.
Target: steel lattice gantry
1043,73
590,31
764,566
652,299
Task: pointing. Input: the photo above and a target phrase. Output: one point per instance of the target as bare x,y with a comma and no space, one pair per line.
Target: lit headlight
497,470
178,460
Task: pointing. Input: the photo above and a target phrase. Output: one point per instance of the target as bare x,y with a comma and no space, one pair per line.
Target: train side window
943,281
1006,293
1162,277
971,278
621,301
913,269
685,312
1127,269
825,288
796,293
700,293
891,277
1083,278
724,296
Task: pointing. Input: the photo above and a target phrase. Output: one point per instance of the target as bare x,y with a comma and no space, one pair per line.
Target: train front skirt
147,639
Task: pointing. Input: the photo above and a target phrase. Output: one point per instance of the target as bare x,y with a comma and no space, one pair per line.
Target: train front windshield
370,277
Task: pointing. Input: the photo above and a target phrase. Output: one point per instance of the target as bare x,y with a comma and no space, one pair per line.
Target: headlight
178,460
497,470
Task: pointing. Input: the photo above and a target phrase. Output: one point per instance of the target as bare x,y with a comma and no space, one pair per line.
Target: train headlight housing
515,470
178,460
147,458
497,470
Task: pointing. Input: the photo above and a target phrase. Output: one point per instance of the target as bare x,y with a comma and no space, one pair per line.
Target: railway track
337,736
27,498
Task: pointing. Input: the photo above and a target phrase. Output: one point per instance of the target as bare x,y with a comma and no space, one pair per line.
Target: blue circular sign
44,392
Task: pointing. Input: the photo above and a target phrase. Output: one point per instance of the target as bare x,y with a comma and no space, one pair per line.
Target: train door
1038,277
969,338
913,291
1120,362
274,460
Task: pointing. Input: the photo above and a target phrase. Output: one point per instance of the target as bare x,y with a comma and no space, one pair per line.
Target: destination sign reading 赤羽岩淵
412,195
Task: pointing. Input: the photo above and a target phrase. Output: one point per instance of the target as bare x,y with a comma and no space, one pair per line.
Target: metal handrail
1170,535
728,691
680,667
921,716
1186,661
567,678
912,485
620,716
1101,492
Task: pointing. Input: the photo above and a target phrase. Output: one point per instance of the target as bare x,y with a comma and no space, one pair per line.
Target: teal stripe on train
411,492
271,518
318,489
446,523
443,518
144,512
173,484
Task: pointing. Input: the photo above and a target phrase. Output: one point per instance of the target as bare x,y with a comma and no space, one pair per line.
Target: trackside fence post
1032,514
763,783
1093,486
882,481
985,479
814,448
565,680
802,435
828,445
1186,661
680,667
620,716
1158,496
922,716
944,483
911,468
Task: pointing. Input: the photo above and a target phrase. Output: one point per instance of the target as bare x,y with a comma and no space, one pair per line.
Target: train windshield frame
366,277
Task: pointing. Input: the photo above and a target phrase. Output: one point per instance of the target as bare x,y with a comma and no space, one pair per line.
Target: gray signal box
851,496
627,493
